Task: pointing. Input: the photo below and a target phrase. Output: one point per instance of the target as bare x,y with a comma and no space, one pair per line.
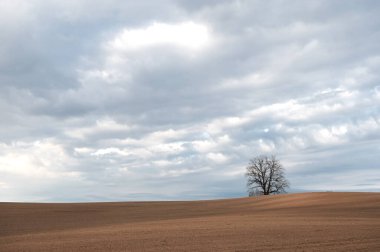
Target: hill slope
304,222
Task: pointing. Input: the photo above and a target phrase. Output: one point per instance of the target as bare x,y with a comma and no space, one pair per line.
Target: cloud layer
169,100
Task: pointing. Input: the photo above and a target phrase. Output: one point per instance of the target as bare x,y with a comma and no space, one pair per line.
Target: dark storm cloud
94,101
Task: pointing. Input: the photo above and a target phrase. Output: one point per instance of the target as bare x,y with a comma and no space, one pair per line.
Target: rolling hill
292,222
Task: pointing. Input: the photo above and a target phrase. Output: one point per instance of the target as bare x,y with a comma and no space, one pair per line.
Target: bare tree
266,176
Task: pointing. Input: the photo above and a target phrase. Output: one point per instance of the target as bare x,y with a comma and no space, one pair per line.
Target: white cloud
217,157
329,136
180,172
166,135
39,159
204,146
187,35
167,148
266,146
107,151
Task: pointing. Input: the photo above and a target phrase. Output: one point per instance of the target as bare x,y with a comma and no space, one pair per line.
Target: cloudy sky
163,100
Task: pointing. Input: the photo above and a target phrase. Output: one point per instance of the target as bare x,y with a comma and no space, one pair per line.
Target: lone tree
265,176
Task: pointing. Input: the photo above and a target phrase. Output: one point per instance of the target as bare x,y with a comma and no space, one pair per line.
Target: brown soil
293,222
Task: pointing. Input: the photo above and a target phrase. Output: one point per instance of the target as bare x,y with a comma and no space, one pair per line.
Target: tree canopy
266,176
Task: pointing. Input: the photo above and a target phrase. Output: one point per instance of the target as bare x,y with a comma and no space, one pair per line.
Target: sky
168,100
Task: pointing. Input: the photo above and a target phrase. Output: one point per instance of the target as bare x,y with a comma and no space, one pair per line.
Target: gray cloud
90,114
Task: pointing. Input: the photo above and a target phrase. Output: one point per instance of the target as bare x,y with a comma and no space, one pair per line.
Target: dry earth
293,222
